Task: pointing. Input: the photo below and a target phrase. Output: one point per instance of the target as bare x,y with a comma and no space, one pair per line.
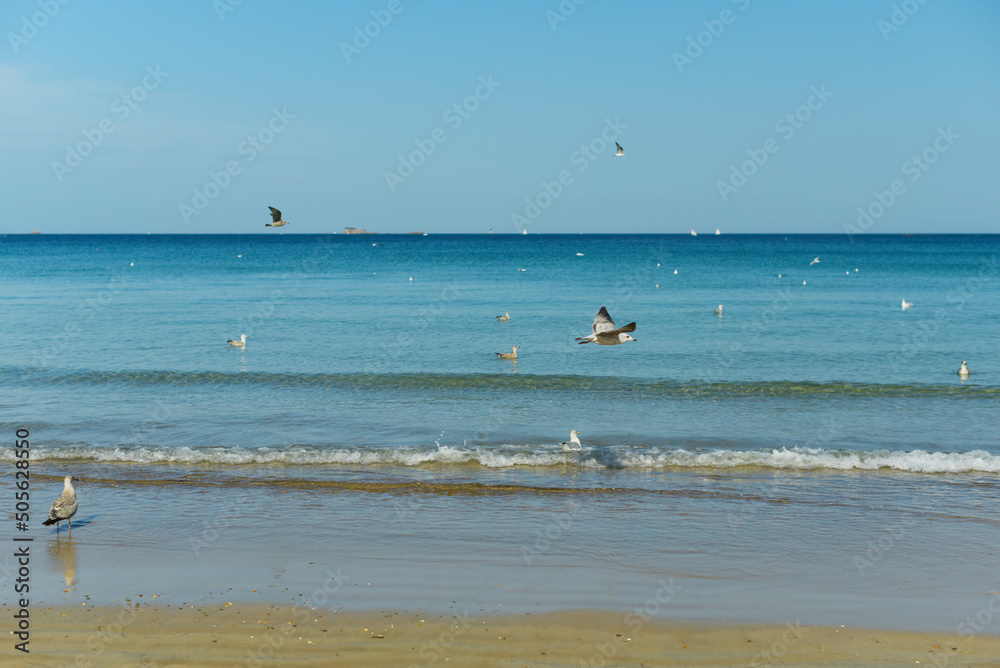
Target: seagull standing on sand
574,444
906,304
964,370
605,333
276,220
505,317
620,153
64,507
242,343
718,311
512,355
814,262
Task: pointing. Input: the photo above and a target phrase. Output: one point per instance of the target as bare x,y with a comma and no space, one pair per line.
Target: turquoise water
765,447
126,336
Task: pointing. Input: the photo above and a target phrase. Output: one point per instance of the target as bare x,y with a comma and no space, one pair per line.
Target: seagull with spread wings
620,153
276,220
605,333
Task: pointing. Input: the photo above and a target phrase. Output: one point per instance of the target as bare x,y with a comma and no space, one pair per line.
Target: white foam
796,458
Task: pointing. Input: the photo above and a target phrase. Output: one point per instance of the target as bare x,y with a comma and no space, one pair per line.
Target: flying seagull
574,444
505,317
276,220
964,370
242,343
814,262
620,152
64,507
605,333
512,355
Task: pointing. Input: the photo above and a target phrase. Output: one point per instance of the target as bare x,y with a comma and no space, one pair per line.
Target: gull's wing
627,328
603,321
63,502
275,214
619,146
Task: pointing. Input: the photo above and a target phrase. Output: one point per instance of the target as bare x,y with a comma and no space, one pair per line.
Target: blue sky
787,117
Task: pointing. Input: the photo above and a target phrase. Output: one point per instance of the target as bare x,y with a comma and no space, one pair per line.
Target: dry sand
227,634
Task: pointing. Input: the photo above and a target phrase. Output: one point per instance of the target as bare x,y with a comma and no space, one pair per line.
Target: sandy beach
226,634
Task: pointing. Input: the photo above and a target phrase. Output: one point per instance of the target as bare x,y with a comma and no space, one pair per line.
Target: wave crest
796,458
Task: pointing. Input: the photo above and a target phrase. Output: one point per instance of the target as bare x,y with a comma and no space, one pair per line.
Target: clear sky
749,116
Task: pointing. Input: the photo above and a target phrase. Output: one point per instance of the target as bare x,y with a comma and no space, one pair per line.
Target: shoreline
719,550
228,634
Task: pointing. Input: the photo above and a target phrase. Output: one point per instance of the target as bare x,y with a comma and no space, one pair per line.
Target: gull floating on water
276,220
512,355
620,152
718,311
64,507
906,304
964,370
574,444
605,333
579,254
242,343
505,317
814,262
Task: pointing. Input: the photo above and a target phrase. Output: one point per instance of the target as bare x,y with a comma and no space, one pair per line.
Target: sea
811,453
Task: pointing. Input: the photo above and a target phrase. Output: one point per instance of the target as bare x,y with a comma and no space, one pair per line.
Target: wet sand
228,634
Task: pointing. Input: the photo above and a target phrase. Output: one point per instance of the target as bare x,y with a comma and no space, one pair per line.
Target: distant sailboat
693,233
717,231
524,230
